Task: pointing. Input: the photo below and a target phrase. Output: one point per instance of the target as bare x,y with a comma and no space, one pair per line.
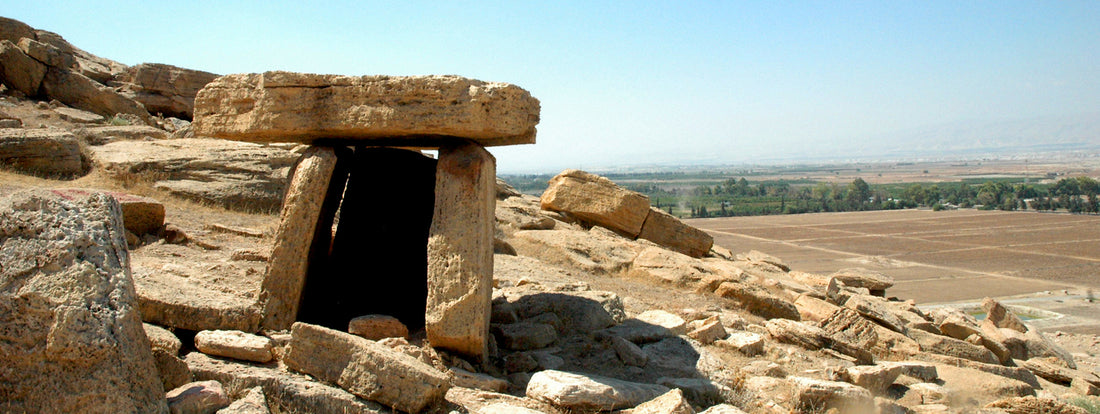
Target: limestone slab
597,200
375,110
365,368
234,344
286,272
589,392
666,230
460,250
39,151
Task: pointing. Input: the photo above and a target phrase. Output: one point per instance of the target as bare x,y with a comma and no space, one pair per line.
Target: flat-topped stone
410,111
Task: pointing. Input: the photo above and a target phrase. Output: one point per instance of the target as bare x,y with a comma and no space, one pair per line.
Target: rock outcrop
71,339
40,152
163,89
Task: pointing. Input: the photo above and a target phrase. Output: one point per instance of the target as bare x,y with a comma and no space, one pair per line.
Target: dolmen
370,224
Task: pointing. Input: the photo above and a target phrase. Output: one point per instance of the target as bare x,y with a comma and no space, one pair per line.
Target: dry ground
1044,260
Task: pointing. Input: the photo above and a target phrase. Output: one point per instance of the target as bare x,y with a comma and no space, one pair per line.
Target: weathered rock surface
164,89
813,309
40,151
19,71
253,402
78,116
460,250
747,343
969,385
1001,316
162,339
666,230
80,91
172,370
597,200
668,266
140,215
380,110
285,391
758,300
707,330
1034,405
822,395
589,392
365,368
72,339
375,327
877,310
202,397
672,402
864,278
875,378
945,345
170,300
234,344
100,135
234,175
592,251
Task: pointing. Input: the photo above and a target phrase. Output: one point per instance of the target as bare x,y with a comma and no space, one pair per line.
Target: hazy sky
640,82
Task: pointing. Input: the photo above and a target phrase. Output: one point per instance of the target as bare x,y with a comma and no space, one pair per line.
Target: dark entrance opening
377,262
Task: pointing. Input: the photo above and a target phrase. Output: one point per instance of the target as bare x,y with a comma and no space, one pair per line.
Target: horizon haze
627,83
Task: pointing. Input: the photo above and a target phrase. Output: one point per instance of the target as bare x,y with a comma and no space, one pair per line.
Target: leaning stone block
234,344
365,368
372,110
286,272
664,229
460,250
597,200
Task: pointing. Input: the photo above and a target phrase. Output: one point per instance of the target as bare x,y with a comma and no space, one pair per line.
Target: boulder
1052,369
589,251
1034,405
923,371
162,339
234,175
584,311
78,116
234,344
672,402
467,379
589,392
945,345
290,392
13,30
1001,316
460,250
140,215
754,256
758,300
824,395
79,91
629,353
375,327
365,368
202,397
597,200
877,310
164,89
71,338
19,71
253,402
176,301
668,231
100,135
668,266
875,378
525,335
99,69
747,343
814,338
46,53
1010,339
371,110
707,330
863,278
40,151
813,309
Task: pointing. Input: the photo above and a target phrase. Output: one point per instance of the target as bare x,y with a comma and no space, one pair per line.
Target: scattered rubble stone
375,327
234,344
200,397
589,392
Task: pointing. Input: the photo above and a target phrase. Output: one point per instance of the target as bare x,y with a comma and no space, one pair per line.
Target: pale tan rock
589,392
234,344
754,256
375,327
253,402
723,409
80,91
628,352
589,251
72,337
365,368
164,89
460,251
162,339
875,378
40,151
747,343
100,135
174,301
945,345
864,278
597,200
813,309
1001,316
920,370
962,384
19,71
668,231
758,300
379,110
877,310
140,215
672,402
467,379
46,53
668,266
708,330
1052,369
78,116
172,370
197,397
286,272
664,319
1084,386
290,392
823,395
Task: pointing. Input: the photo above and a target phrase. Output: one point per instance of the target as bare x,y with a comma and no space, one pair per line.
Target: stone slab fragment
286,392
589,392
282,285
668,231
197,397
596,199
234,344
375,327
19,71
174,301
39,151
71,338
365,368
374,110
460,250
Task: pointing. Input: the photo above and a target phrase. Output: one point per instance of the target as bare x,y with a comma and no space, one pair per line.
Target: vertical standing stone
286,271
460,250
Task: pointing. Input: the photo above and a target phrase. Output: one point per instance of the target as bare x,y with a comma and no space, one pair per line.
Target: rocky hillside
131,250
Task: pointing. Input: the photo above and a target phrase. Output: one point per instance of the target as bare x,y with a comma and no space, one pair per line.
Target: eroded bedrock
424,111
